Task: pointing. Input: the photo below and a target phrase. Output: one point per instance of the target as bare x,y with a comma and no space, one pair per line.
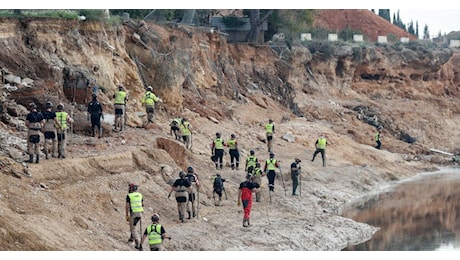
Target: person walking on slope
181,188
218,188
192,203
50,130
34,121
121,98
95,113
234,152
245,191
175,123
186,133
320,146
251,161
149,100
217,149
63,119
270,166
295,171
156,234
134,209
257,175
377,137
269,132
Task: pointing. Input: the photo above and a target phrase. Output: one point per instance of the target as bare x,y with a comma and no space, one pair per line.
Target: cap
298,160
155,217
132,187
49,104
32,105
181,174
120,87
149,88
218,134
60,106
252,152
190,169
232,135
272,154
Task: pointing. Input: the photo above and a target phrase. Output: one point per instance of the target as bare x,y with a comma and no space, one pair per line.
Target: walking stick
300,183
197,202
282,179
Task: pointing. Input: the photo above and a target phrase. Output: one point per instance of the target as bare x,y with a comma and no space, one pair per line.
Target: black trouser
234,158
271,179
323,155
95,123
295,181
379,144
219,155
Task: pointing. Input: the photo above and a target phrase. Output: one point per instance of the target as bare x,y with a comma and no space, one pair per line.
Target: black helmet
120,87
60,106
232,135
149,88
132,187
181,174
270,120
49,104
257,164
252,152
218,134
94,95
190,169
272,155
155,217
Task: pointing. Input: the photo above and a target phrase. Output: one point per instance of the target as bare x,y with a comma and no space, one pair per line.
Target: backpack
218,183
191,178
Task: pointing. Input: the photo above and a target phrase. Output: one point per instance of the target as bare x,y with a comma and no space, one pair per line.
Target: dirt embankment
78,203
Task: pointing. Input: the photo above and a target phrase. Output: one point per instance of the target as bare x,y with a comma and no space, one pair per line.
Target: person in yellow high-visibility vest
121,97
149,100
134,209
186,132
234,152
320,145
269,131
64,120
217,149
156,234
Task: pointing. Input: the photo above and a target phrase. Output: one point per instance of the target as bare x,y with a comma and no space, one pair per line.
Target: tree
416,29
410,28
385,14
426,33
256,22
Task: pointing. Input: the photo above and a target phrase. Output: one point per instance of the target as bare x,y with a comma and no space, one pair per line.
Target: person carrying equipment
149,100
50,130
270,166
320,145
251,161
186,133
95,113
63,119
295,171
245,191
34,121
217,149
121,98
257,175
269,131
234,152
175,123
156,234
181,188
134,209
218,188
192,203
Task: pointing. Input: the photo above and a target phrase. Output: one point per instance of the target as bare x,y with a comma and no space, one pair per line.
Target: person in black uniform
95,112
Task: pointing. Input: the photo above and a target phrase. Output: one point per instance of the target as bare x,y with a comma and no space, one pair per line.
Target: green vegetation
61,14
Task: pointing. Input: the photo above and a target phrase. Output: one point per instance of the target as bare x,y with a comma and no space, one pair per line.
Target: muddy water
422,214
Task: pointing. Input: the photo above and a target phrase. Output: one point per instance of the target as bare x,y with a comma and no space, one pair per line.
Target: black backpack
191,178
218,183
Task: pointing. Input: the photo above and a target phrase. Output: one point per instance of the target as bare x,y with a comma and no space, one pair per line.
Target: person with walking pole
245,191
295,172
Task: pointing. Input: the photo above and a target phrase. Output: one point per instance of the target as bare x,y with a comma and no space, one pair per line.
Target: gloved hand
239,203
127,218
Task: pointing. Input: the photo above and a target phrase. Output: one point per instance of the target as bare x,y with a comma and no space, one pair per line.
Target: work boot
38,159
194,215
189,214
31,158
181,217
138,245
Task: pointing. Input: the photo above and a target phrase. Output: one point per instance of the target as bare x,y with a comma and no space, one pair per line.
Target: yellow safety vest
154,232
218,143
62,119
257,172
135,201
271,164
149,98
120,97
184,128
231,144
251,160
269,128
377,136
321,143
